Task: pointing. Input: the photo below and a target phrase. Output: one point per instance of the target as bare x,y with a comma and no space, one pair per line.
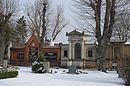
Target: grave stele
5,63
46,66
72,69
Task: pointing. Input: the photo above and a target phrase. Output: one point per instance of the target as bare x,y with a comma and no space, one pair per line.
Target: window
90,53
20,56
65,53
50,56
77,51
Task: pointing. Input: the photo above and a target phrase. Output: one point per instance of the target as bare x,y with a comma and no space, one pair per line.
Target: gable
75,32
33,41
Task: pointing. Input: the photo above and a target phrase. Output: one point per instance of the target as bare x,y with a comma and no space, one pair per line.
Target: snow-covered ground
93,78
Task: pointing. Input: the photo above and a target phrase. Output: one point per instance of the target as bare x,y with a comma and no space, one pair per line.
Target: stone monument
72,70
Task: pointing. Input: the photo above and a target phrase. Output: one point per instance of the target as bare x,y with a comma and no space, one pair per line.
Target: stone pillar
73,52
82,49
69,63
70,50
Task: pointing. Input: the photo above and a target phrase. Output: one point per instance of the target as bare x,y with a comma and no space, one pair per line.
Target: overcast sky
67,5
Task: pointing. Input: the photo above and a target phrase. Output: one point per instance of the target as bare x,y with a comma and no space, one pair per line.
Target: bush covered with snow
37,66
8,74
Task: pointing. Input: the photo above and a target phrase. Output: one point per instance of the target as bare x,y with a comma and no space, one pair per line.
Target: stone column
73,53
82,49
70,50
69,63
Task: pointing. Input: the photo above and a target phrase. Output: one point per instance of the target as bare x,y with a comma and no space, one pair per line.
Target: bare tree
59,22
121,31
98,17
8,8
45,20
37,18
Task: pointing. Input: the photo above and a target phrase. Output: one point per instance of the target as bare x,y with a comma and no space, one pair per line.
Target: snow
61,78
127,43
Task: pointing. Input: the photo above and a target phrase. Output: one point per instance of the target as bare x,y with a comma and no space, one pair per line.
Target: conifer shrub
37,66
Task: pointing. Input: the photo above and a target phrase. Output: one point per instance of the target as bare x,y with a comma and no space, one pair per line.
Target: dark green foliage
41,58
37,66
20,32
10,74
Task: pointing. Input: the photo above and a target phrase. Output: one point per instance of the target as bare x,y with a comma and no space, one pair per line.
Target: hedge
9,74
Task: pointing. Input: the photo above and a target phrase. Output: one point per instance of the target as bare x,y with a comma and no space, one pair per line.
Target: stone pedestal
69,63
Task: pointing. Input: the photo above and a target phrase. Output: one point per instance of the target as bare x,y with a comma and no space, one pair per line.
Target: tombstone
114,65
72,70
46,66
5,63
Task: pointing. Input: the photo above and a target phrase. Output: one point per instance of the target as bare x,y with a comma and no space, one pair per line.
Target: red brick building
23,54
52,54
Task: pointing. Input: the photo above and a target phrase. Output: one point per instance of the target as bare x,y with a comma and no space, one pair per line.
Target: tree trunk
43,23
101,60
2,49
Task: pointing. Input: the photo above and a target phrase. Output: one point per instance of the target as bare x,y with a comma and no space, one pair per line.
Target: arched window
77,51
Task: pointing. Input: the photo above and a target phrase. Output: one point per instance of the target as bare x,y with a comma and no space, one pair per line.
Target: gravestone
72,70
5,63
114,65
46,66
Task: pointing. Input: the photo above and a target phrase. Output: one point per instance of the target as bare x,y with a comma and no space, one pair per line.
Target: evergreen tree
20,32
